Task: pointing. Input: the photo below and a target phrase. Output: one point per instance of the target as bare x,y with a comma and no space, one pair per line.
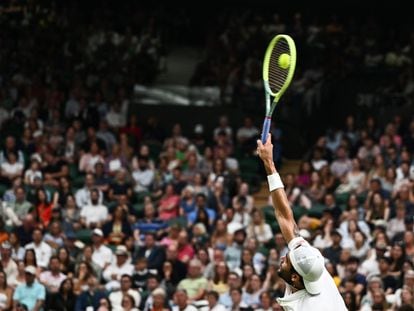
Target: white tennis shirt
329,299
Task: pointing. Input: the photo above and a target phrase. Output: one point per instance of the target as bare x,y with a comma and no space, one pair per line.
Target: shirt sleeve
41,293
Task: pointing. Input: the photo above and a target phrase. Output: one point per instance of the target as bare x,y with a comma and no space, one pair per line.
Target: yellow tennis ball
284,60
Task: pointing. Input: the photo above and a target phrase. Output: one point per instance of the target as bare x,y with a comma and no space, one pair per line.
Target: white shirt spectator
143,179
116,299
112,269
87,162
262,235
318,164
83,197
116,118
12,169
394,226
11,271
43,253
340,167
30,175
102,256
94,213
118,270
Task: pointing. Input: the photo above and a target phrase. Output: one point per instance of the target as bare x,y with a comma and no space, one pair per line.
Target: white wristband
275,182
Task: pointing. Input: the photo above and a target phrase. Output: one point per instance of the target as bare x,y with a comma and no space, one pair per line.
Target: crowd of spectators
348,49
353,197
99,212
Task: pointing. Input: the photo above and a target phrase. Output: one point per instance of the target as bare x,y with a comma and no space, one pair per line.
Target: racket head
276,78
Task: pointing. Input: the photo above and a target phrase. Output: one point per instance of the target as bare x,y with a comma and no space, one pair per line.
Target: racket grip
266,128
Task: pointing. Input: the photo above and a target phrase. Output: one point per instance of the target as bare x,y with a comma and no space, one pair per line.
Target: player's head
302,268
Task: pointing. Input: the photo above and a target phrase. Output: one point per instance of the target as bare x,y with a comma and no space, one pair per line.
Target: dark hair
214,294
202,195
54,257
153,276
237,290
5,278
107,301
37,195
216,278
62,284
353,259
30,250
126,276
353,304
388,260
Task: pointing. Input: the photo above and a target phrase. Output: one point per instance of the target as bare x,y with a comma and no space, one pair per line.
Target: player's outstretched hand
265,151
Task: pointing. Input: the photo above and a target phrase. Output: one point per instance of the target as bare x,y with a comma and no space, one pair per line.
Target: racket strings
277,74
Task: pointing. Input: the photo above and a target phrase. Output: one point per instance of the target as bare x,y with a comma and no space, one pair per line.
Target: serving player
309,284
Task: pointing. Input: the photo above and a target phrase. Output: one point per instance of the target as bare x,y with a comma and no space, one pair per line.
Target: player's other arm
283,212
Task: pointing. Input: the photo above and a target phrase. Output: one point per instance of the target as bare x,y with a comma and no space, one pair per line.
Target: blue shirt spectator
32,294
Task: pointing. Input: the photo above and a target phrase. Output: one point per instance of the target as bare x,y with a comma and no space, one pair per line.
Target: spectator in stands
342,164
94,214
194,284
155,254
223,125
10,168
369,150
102,254
17,209
116,297
143,176
258,228
64,297
247,134
53,277
83,195
213,301
91,296
177,268
233,252
181,300
169,204
89,159
43,208
42,250
32,294
201,210
118,228
10,146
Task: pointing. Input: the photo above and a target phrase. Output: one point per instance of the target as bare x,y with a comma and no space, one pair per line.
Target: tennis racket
278,69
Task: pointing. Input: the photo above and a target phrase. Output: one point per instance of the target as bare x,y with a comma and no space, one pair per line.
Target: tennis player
309,284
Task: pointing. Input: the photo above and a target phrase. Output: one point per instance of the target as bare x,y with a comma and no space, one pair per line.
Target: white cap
309,263
199,129
121,250
97,231
30,269
158,291
233,227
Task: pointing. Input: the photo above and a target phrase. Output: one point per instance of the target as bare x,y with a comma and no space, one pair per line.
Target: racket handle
266,128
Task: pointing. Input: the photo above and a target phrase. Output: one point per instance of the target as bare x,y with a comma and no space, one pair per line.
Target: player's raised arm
283,212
